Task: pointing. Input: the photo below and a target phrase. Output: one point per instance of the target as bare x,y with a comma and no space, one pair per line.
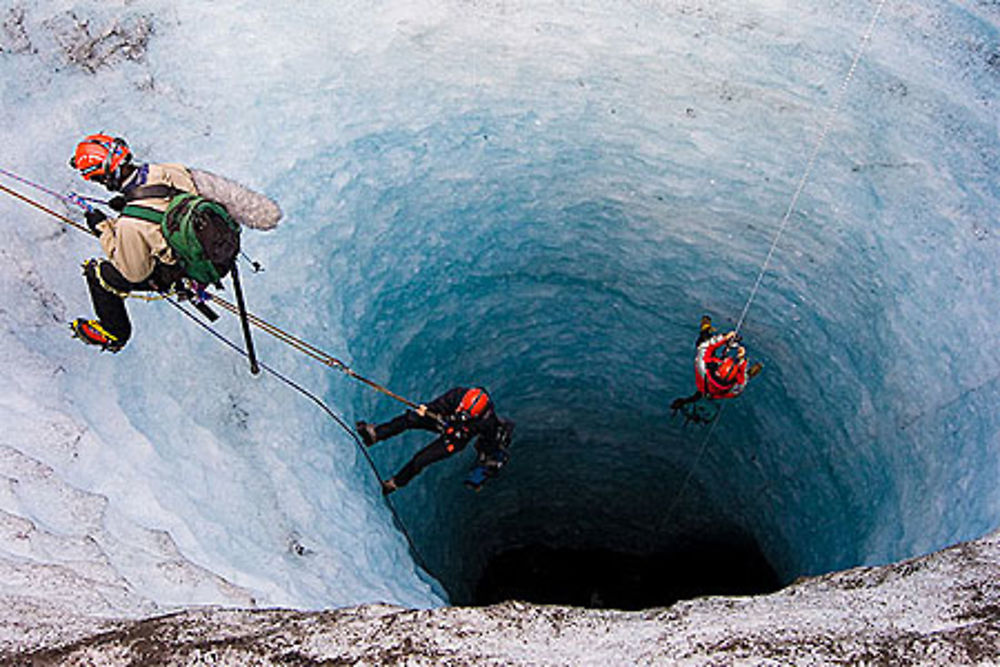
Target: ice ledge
938,609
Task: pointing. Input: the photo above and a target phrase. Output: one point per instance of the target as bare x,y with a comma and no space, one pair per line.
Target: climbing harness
807,172
121,294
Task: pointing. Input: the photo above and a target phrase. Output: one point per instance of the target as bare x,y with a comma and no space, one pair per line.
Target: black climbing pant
439,448
109,306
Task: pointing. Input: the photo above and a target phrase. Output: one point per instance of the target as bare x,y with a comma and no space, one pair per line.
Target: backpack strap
143,213
152,192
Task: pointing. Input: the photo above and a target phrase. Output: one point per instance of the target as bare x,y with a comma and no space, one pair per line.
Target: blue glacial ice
540,197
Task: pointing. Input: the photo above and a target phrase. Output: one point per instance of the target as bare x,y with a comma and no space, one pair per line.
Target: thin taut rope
831,114
821,139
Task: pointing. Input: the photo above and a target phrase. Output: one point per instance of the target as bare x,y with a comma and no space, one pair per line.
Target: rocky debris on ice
938,609
91,42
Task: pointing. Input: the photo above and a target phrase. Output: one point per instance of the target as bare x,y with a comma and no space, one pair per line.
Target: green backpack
201,233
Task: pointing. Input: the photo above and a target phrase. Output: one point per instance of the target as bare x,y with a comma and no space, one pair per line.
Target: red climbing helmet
100,155
727,370
474,403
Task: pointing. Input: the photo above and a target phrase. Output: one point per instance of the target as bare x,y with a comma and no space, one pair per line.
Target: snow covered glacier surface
536,196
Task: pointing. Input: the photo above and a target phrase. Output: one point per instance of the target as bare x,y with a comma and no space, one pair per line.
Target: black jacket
488,428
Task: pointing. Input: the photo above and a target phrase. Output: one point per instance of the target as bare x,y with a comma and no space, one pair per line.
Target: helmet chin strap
114,180
113,177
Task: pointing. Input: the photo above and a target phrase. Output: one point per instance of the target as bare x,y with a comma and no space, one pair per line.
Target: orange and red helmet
99,156
728,369
475,403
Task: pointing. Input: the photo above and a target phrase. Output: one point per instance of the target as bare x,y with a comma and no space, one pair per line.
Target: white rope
831,114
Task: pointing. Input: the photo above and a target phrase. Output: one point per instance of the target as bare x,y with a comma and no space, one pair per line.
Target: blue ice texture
543,198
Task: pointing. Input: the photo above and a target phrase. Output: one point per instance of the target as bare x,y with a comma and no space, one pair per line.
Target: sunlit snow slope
540,198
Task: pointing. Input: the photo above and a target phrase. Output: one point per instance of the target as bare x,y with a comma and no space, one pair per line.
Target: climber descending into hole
720,371
460,415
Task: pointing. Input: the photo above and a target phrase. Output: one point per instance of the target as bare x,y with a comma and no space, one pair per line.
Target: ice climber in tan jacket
138,256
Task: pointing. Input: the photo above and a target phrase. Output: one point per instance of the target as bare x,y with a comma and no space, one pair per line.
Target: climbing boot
367,433
755,369
92,333
706,324
388,486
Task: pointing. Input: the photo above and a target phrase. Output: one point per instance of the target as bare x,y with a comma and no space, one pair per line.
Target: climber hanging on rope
165,232
464,414
720,371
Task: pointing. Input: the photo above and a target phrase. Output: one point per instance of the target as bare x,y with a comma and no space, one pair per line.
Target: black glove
117,203
505,430
94,217
165,276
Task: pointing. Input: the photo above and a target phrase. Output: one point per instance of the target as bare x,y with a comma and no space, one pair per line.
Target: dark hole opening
604,578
